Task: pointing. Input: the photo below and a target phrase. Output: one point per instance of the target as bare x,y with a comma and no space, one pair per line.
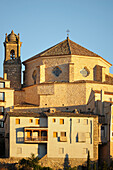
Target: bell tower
12,61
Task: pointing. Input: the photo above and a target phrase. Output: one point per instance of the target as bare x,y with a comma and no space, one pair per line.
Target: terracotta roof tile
48,114
65,47
26,105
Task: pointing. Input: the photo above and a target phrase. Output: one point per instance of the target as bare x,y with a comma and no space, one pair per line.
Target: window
85,150
85,121
55,134
63,134
1,110
37,121
17,121
61,121
81,137
110,99
30,120
2,84
61,150
103,131
34,76
12,54
78,120
1,124
28,134
54,120
2,96
19,150
56,71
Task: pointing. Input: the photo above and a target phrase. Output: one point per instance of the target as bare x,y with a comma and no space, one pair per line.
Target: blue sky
43,23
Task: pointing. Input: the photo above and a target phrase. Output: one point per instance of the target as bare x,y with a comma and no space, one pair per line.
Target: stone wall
60,163
95,138
13,70
19,97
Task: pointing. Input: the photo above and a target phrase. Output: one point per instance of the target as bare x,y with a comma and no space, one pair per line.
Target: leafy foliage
31,164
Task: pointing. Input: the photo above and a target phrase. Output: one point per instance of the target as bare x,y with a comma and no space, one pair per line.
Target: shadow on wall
66,162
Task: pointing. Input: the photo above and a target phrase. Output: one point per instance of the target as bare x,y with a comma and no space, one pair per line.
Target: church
62,109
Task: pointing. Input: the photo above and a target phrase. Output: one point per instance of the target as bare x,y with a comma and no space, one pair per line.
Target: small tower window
34,76
12,54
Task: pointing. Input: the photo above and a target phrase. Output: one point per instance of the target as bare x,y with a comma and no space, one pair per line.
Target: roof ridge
68,45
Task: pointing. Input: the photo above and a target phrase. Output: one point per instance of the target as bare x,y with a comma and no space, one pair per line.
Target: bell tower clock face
85,72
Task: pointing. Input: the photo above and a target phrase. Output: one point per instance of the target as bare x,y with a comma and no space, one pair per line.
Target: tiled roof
69,114
65,47
48,114
108,79
26,105
25,114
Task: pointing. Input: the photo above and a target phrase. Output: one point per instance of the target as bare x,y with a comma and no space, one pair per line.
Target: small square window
19,150
61,150
85,121
110,99
2,84
37,121
61,121
54,120
1,110
2,96
78,120
55,134
17,121
63,133
85,150
30,120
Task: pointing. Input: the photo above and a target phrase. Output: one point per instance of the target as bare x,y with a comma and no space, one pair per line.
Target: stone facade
68,80
12,61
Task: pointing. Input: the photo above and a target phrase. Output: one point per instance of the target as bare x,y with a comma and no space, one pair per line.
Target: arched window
34,76
12,54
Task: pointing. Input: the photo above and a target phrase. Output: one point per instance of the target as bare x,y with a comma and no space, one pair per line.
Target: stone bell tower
12,61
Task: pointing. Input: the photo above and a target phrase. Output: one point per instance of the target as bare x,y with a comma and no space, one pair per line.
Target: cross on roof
68,32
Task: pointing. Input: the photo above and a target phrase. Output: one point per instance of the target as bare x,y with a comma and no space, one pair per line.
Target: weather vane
68,32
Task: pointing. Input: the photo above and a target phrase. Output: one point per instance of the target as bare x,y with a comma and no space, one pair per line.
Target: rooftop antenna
68,32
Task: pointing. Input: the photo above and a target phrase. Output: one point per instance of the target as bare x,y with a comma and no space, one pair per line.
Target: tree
104,166
94,166
88,162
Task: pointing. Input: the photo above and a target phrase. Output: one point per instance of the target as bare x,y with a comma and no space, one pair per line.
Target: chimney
52,110
5,76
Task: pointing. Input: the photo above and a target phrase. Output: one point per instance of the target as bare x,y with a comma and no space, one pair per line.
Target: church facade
63,108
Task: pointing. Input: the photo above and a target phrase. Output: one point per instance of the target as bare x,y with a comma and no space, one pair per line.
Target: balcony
35,135
42,138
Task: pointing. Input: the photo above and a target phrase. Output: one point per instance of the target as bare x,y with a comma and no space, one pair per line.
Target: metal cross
68,32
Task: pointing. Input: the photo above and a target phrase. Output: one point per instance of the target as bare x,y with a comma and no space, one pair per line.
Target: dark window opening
12,54
2,85
1,110
2,96
1,124
63,134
